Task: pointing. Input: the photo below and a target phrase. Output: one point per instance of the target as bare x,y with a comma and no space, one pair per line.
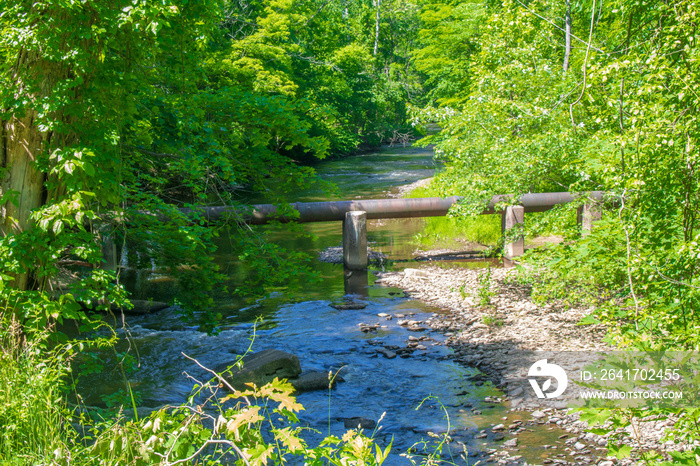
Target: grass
34,425
453,233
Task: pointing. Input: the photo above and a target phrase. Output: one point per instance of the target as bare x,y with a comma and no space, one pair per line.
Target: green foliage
484,293
115,117
451,231
137,111
34,415
255,426
620,420
525,124
619,116
260,427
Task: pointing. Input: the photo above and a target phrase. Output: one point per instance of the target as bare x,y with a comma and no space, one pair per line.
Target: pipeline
380,208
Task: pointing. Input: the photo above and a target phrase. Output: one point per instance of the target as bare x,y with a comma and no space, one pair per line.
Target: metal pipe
379,208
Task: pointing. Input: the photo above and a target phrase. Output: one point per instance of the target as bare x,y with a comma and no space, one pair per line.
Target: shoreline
491,336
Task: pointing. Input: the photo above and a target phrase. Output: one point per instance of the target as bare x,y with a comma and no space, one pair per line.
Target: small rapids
325,339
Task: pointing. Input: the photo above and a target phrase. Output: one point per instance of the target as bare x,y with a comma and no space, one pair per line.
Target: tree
115,115
619,119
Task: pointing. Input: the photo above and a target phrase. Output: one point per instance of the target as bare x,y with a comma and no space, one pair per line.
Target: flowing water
326,339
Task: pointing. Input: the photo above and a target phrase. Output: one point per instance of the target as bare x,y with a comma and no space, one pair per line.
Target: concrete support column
355,240
513,219
587,214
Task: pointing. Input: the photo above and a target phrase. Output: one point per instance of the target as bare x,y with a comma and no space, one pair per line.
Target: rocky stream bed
492,333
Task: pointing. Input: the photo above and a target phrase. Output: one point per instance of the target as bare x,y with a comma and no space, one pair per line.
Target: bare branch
585,65
563,30
218,377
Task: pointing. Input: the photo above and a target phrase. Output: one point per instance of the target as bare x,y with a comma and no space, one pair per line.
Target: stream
450,396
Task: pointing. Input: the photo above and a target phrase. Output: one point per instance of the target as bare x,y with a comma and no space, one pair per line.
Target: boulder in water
312,381
261,368
361,422
141,307
349,305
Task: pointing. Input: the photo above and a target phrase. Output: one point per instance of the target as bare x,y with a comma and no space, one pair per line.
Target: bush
253,427
34,426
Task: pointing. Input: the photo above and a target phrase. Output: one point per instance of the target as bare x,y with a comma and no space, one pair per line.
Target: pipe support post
355,240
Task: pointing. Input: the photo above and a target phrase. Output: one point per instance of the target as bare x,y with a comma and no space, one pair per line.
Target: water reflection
322,336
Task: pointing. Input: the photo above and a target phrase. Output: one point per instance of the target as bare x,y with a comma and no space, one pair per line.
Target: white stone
415,273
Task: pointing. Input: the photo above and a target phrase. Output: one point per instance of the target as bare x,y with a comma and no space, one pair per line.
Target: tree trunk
567,52
21,182
376,33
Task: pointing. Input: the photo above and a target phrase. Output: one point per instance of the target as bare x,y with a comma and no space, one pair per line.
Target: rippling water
322,337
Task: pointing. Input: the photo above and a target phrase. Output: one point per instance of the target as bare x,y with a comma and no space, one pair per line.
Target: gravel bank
403,191
334,255
492,336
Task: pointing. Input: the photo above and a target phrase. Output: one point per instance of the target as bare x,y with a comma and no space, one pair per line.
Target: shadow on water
327,339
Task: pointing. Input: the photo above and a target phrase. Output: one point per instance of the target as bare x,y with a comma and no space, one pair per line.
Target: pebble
524,328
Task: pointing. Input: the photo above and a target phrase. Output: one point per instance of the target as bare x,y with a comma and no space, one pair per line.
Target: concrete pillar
355,240
513,218
587,214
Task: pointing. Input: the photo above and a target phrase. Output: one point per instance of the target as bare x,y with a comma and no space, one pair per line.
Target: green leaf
620,452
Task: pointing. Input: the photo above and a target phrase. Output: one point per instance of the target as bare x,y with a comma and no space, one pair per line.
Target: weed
261,427
484,292
431,451
451,232
33,412
463,291
492,320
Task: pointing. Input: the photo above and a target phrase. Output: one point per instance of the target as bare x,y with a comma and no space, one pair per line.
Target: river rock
349,306
311,381
262,367
354,422
512,443
141,307
415,273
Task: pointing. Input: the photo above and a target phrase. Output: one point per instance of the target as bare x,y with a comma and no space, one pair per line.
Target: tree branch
588,44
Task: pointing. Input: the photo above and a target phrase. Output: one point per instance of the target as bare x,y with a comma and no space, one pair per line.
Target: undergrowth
452,232
217,425
34,426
